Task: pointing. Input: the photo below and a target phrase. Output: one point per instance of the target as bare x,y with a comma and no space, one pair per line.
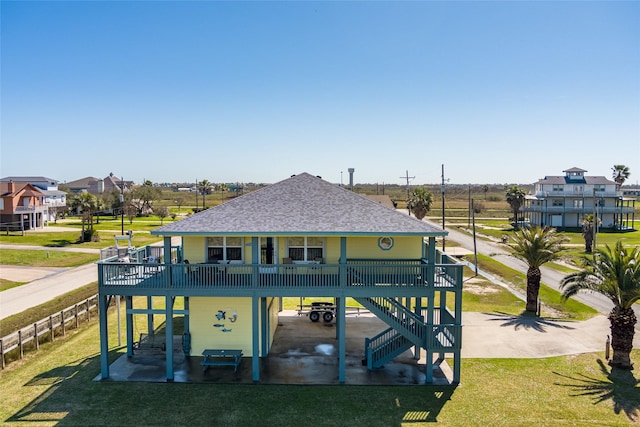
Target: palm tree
536,246
588,232
614,273
485,190
620,174
205,188
87,205
420,202
222,188
515,198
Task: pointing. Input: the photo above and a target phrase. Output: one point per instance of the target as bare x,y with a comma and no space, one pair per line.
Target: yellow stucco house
299,237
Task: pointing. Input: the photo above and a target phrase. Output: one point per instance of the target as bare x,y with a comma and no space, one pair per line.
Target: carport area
303,352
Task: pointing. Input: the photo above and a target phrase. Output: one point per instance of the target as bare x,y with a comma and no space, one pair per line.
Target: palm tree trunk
623,321
533,288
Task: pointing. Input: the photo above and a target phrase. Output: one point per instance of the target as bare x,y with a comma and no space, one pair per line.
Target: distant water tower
351,171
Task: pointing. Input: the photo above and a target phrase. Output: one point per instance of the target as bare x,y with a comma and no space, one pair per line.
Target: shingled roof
302,204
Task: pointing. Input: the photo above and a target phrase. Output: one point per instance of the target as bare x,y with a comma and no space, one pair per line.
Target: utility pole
407,177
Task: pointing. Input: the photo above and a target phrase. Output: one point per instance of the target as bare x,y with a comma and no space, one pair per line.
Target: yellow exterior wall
367,247
202,318
194,249
357,247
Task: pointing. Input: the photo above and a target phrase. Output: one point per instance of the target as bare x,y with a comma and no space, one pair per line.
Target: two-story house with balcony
300,237
98,186
21,206
563,201
53,198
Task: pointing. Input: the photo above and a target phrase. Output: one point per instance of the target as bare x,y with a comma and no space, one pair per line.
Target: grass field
56,387
61,239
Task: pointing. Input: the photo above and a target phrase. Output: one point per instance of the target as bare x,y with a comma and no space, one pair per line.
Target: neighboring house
631,192
98,186
301,237
563,201
21,206
53,198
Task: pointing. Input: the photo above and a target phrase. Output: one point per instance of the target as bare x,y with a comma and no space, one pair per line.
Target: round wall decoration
385,243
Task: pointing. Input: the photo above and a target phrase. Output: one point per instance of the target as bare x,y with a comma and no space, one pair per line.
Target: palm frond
612,272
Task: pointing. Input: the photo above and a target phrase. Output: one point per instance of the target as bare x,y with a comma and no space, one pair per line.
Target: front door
267,250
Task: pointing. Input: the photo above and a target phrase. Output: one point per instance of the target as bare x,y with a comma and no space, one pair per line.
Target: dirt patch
480,289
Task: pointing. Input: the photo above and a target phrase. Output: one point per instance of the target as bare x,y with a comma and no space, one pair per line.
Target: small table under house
214,357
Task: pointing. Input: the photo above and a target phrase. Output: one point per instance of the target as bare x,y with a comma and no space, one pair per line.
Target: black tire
327,316
314,316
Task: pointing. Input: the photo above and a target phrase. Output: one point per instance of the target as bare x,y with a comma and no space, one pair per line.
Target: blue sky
498,92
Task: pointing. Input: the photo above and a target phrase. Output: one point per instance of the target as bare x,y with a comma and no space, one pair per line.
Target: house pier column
150,328
343,262
263,327
129,324
342,345
186,336
104,336
255,334
457,354
169,336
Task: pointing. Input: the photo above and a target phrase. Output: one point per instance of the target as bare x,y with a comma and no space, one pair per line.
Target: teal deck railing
280,276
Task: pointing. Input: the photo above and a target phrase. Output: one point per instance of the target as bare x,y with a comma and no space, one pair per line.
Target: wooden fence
56,324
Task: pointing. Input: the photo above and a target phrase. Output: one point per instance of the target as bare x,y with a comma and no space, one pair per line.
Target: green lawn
56,387
38,258
70,239
552,304
8,284
108,223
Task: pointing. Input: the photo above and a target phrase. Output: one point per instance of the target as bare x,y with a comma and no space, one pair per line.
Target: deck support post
342,346
129,324
255,353
457,355
104,337
150,327
263,327
169,337
431,280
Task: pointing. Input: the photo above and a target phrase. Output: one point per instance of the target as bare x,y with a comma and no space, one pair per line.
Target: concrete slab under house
221,292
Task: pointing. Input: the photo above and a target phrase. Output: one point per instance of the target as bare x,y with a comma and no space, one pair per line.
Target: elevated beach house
300,237
562,201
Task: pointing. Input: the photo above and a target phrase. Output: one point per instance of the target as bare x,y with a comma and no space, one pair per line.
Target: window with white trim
228,249
305,248
558,187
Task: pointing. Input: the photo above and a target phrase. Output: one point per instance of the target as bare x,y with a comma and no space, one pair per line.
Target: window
557,202
305,248
598,187
578,188
224,249
558,187
578,203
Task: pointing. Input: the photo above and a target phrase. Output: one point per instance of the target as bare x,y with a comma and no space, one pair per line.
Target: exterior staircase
406,330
